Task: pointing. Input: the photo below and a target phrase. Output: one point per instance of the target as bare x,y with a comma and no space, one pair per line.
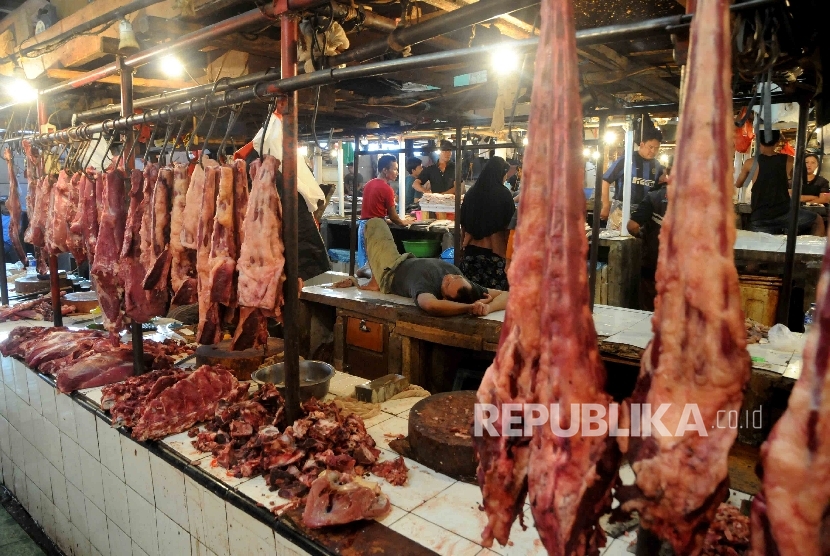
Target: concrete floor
13,539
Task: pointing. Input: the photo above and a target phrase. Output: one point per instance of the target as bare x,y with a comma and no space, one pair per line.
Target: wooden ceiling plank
138,82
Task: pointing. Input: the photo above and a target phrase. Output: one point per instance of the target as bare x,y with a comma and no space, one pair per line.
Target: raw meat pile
698,356
35,309
83,359
548,347
729,533
249,438
173,239
789,515
15,209
163,403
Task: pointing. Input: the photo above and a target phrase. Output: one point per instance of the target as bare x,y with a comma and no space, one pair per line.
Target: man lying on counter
436,286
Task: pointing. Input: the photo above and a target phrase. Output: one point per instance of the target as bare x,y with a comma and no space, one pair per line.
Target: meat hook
231,121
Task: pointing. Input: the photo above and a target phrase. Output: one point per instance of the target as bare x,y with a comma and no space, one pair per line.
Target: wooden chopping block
84,302
240,363
31,284
440,434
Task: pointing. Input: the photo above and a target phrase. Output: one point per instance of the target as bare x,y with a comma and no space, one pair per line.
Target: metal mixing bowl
314,378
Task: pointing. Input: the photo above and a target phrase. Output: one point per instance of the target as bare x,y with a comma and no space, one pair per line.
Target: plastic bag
744,134
782,338
615,216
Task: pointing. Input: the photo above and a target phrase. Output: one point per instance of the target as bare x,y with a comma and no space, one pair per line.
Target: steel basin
314,378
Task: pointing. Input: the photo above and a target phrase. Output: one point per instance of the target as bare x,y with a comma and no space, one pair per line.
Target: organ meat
158,236
209,330
697,359
261,260
223,248
182,260
547,352
105,269
789,515
15,209
338,498
57,223
187,402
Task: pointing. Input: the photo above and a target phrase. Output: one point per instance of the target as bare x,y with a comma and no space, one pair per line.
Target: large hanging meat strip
548,346
15,208
132,268
209,330
105,269
789,516
57,223
223,248
698,356
183,260
76,241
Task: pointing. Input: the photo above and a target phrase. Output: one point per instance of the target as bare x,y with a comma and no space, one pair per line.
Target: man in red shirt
378,197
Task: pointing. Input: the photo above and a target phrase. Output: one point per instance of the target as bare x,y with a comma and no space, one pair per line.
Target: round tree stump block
440,434
84,302
31,284
240,363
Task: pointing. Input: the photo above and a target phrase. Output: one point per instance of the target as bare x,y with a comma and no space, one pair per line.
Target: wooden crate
759,297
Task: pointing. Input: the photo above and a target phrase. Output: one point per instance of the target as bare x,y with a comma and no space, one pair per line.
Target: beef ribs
183,260
697,358
187,402
548,347
789,515
15,208
105,269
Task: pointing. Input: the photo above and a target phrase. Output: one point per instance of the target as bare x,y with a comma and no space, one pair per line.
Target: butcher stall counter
95,491
370,334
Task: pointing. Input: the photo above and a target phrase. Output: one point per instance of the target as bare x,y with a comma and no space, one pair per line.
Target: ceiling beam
138,82
509,25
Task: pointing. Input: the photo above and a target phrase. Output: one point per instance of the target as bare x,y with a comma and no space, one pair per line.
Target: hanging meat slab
789,515
75,239
223,248
34,170
132,269
209,331
193,205
158,272
261,260
183,260
57,223
548,347
697,360
89,214
15,209
105,269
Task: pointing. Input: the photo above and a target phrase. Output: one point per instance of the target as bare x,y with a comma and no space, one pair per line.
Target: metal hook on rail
231,121
94,150
8,128
167,129
150,142
207,138
109,144
176,139
271,107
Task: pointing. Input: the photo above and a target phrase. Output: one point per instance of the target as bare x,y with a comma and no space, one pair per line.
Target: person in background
770,192
414,167
378,197
436,286
646,223
814,188
486,213
348,180
11,255
646,172
440,177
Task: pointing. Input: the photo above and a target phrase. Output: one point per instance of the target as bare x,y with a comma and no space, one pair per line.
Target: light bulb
303,150
524,140
664,159
21,91
505,60
610,137
172,66
586,152
595,155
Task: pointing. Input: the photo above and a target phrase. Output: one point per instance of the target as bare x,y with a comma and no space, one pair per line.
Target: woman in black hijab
485,215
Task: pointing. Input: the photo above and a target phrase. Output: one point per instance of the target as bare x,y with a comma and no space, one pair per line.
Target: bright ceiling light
610,137
21,91
302,151
524,140
505,60
172,66
595,155
664,159
586,152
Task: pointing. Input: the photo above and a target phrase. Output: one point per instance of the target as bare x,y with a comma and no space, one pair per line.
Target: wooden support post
459,190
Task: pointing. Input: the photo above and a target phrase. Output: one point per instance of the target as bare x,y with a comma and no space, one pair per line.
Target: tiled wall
95,492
